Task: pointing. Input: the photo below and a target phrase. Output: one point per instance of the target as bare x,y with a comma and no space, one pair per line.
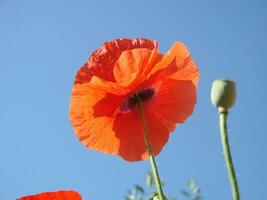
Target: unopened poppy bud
223,94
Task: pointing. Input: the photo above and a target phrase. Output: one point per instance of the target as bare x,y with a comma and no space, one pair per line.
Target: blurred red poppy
58,195
103,107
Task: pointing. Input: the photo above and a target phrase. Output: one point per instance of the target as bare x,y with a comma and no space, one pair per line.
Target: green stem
150,151
227,154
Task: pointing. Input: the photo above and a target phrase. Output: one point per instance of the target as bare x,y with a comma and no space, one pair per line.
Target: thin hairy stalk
227,154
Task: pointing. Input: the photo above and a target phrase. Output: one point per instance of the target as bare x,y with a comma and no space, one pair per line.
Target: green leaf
139,189
196,190
191,184
149,179
185,193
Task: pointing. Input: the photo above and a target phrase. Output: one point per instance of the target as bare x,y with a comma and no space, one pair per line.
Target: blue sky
42,45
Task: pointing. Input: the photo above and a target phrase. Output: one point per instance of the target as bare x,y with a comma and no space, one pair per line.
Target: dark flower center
144,96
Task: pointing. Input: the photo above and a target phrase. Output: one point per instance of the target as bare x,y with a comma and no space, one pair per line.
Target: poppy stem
227,154
150,151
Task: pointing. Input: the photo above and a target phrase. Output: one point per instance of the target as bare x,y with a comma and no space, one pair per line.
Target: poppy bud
223,94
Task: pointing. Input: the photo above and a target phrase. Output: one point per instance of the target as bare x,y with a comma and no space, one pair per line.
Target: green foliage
136,193
149,179
149,191
193,193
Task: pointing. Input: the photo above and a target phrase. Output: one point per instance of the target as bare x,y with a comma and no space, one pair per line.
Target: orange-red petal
133,66
101,62
176,64
129,130
174,101
58,195
91,111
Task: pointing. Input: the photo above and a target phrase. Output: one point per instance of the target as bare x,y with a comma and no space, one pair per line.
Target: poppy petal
129,130
97,134
174,101
91,111
133,66
58,195
101,62
111,87
158,133
176,64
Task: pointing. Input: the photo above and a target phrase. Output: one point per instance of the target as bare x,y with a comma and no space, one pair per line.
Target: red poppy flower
59,195
103,108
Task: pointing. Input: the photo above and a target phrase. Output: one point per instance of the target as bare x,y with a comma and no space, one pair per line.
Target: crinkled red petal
101,62
58,195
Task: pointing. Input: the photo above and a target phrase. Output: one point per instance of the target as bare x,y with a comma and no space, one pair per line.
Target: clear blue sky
42,45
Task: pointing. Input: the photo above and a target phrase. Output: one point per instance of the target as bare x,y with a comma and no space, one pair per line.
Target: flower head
58,195
103,108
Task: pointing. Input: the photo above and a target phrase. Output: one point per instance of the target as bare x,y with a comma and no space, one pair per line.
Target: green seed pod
223,94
